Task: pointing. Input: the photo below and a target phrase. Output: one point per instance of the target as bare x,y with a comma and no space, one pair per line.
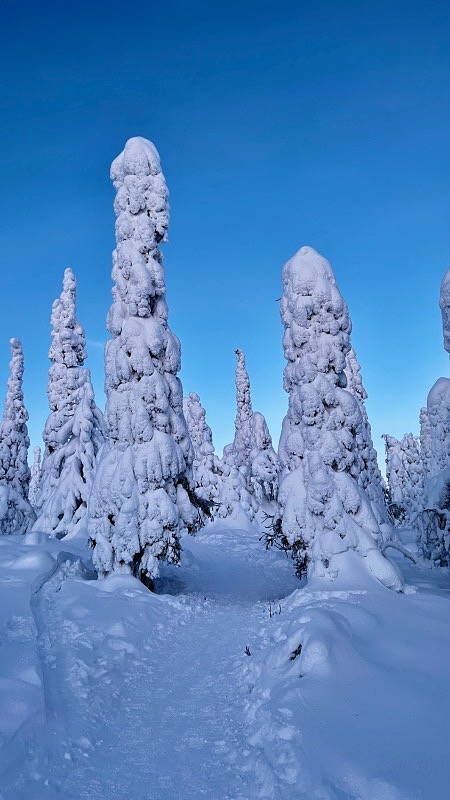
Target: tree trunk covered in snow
73,432
16,513
141,499
324,514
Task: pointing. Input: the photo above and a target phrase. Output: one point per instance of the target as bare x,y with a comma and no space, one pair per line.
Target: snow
324,511
74,430
234,681
141,497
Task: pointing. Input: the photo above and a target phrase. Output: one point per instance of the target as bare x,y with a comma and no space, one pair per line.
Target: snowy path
110,692
144,694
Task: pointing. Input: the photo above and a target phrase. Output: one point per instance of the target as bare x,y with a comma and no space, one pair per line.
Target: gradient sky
279,124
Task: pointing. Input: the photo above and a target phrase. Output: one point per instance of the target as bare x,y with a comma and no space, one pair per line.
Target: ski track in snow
151,705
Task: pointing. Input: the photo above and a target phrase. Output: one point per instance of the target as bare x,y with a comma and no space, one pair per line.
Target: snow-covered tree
395,474
249,467
369,478
324,513
264,462
414,480
438,407
434,540
425,441
205,467
142,495
35,479
242,444
16,513
444,305
73,432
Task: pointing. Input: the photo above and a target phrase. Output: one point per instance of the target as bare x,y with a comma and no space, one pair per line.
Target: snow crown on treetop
137,176
313,312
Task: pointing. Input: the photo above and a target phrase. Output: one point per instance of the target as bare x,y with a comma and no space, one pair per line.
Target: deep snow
109,691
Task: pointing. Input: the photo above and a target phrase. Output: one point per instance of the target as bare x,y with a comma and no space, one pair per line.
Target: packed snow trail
215,686
142,691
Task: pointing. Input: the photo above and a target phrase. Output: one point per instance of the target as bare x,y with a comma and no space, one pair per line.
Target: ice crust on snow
141,495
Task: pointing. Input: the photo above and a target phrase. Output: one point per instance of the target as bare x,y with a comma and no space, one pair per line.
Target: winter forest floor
108,691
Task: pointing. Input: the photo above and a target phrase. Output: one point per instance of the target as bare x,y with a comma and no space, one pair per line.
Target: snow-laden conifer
425,441
444,305
413,480
236,502
438,408
35,479
324,513
205,468
16,513
434,541
242,444
369,478
140,501
395,474
73,432
264,462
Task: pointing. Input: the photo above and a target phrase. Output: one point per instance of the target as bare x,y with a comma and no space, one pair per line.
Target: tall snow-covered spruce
434,540
242,438
73,432
369,478
142,494
204,467
16,513
35,479
325,517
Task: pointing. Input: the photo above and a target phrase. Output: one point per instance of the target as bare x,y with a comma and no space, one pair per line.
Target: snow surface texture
324,513
141,496
16,513
234,682
73,432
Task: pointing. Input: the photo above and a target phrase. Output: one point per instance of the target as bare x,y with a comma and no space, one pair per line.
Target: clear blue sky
279,124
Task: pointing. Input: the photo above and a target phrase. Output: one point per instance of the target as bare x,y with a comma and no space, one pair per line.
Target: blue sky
278,125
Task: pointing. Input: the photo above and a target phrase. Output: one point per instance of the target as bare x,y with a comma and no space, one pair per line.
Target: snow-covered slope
202,690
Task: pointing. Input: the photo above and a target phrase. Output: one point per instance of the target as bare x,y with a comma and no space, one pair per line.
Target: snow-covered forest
271,622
